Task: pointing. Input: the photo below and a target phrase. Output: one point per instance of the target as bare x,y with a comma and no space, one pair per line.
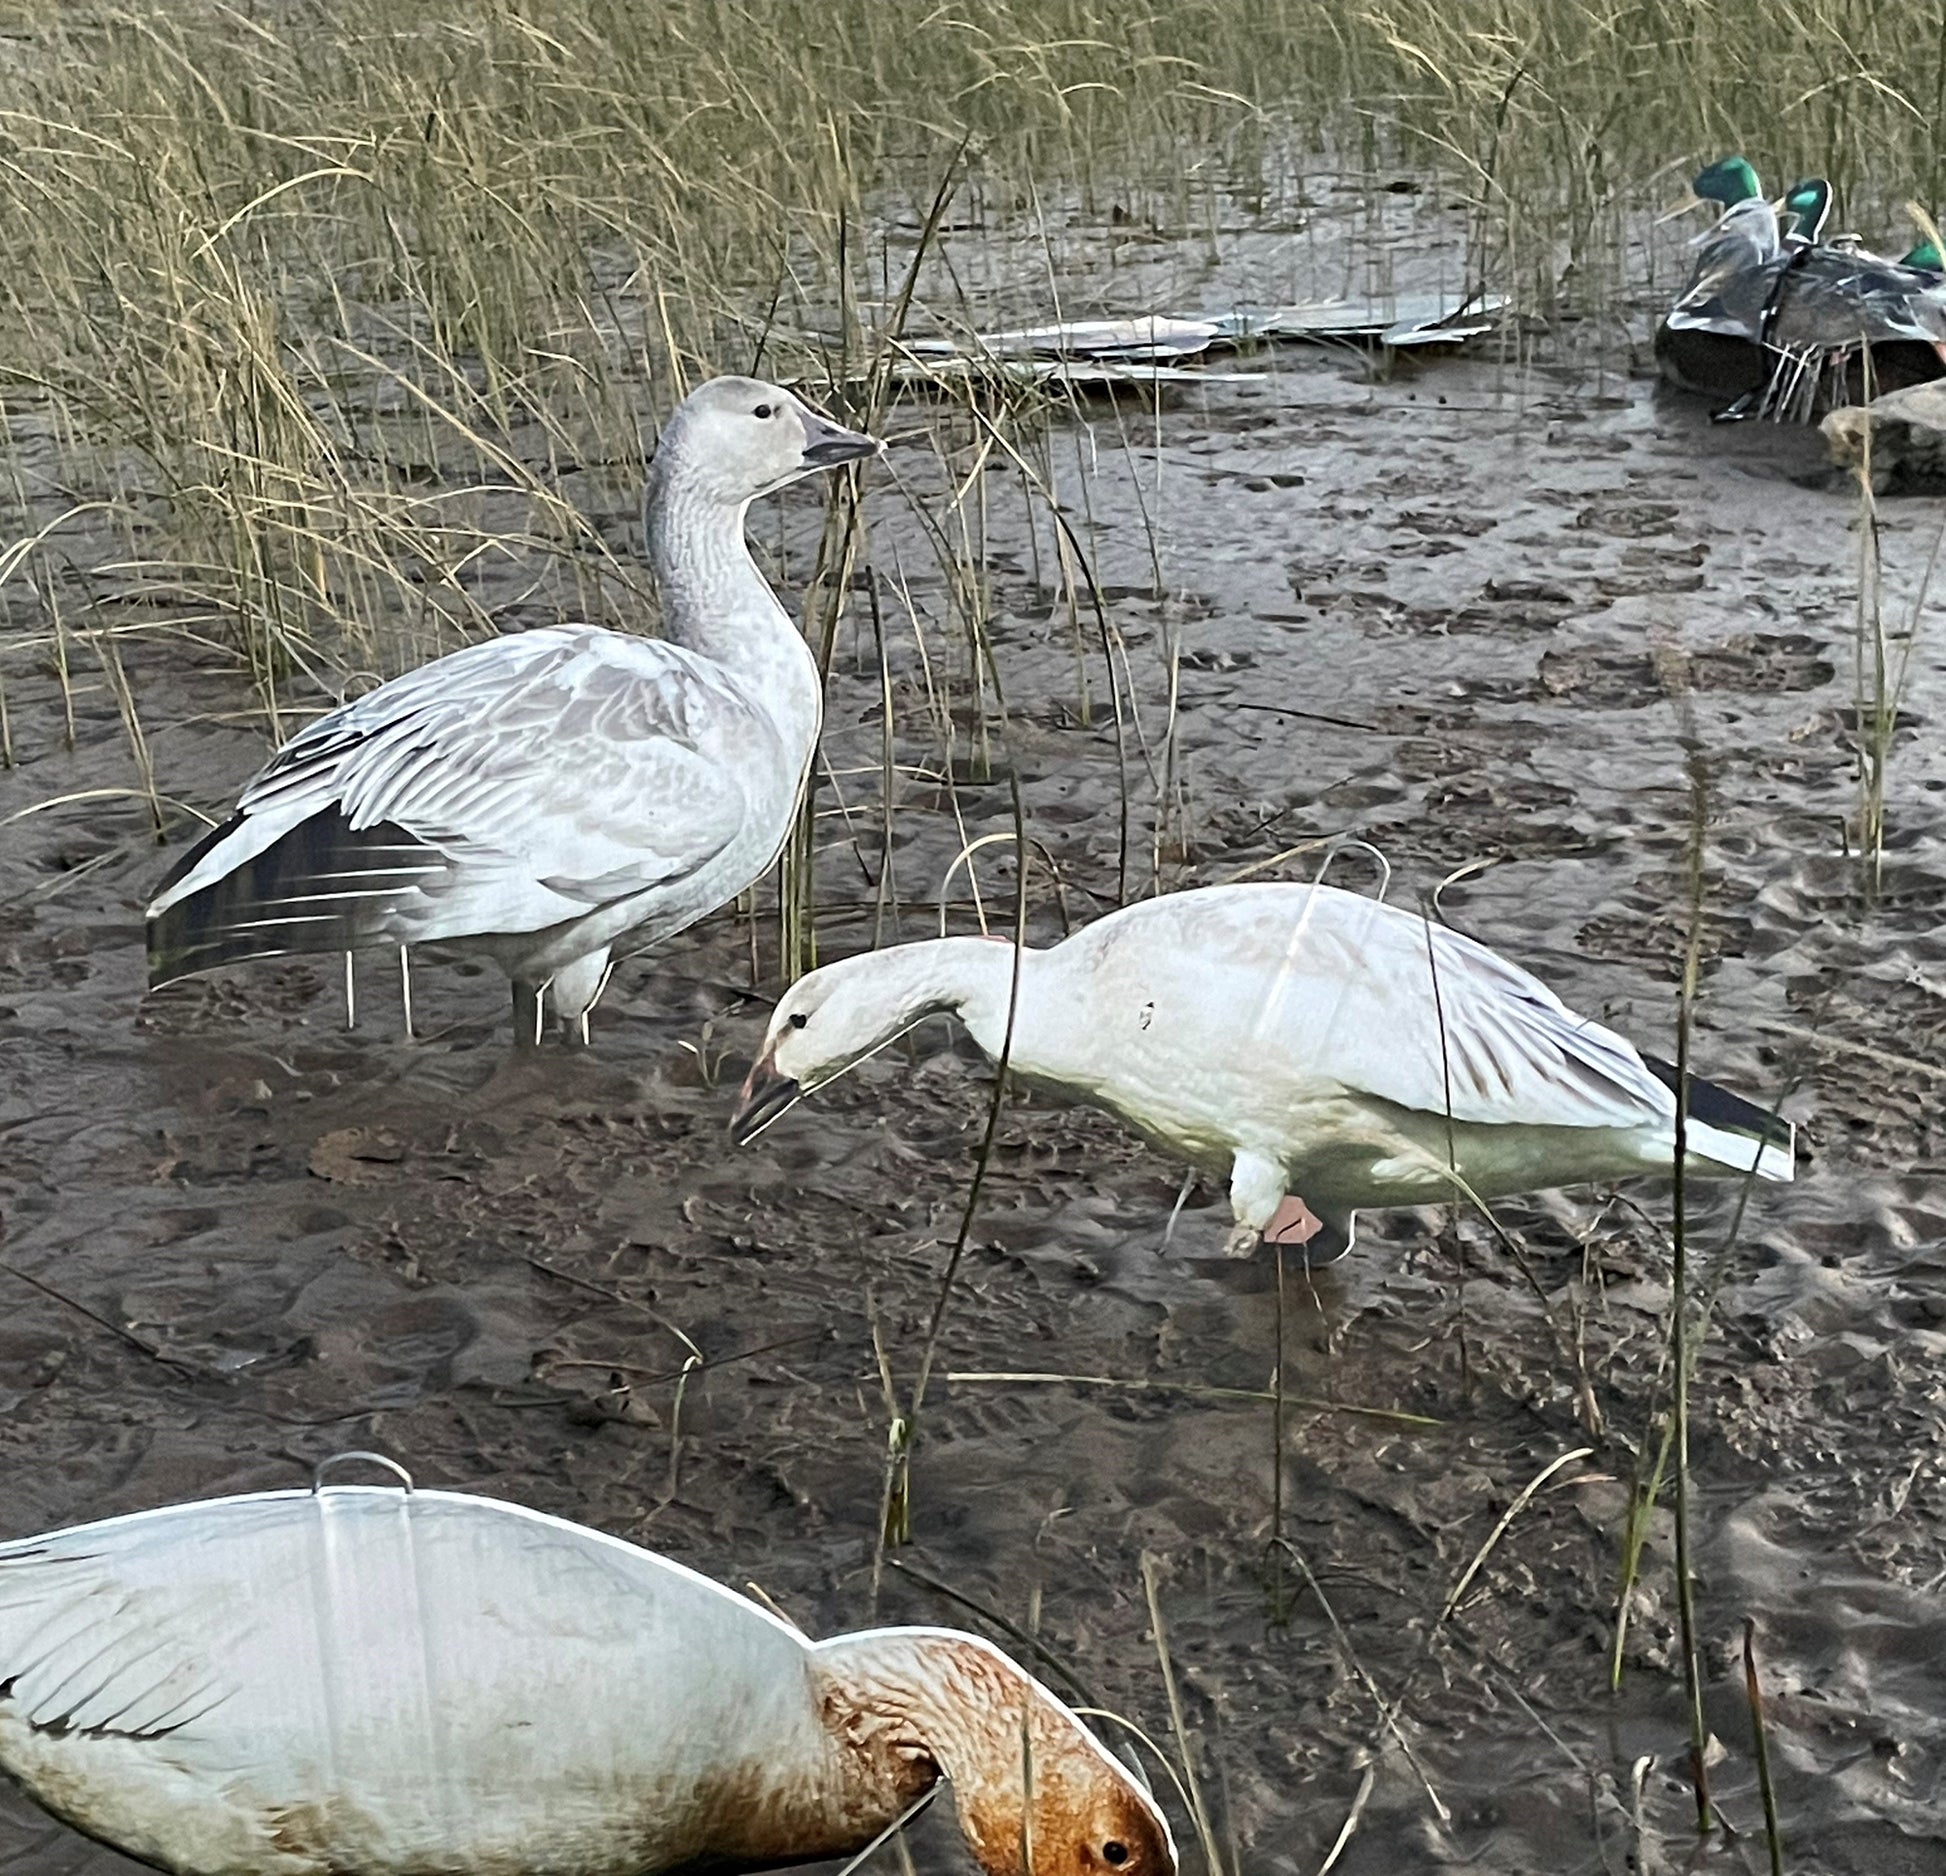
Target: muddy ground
1469,613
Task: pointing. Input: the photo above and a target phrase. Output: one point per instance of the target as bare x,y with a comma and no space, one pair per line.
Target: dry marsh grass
319,301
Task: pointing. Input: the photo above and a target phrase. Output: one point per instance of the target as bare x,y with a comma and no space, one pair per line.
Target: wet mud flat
1467,614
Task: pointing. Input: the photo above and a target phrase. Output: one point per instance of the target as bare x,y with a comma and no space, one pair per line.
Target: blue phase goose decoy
1308,1044
546,798
361,1681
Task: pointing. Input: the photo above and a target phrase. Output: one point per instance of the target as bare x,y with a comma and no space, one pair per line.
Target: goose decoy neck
713,597
983,979
1033,1788
929,1693
973,978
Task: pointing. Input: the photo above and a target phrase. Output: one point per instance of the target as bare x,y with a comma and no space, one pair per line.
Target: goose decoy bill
556,797
1321,1051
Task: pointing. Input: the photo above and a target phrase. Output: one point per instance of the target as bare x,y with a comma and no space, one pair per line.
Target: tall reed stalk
1681,1330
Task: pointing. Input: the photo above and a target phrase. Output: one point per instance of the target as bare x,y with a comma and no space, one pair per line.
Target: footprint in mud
1179,602
359,1156
1752,664
1519,606
403,1349
1693,555
1656,939
1756,662
62,959
1426,521
1822,888
1314,580
1639,585
1459,793
1218,660
194,1006
1600,680
71,856
1627,520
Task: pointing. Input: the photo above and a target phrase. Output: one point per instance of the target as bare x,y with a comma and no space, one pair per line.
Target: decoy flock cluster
359,1680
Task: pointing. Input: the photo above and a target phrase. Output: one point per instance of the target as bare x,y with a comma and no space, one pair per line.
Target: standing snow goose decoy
544,798
1309,1044
359,1681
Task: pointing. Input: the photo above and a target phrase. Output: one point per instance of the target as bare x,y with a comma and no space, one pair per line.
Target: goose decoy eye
763,410
1114,1851
798,1019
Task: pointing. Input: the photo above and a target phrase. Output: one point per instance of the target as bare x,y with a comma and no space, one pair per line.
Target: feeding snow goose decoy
361,1681
547,797
1309,1044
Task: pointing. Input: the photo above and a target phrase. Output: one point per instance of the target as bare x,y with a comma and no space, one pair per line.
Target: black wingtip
1718,1107
289,898
182,943
184,938
193,855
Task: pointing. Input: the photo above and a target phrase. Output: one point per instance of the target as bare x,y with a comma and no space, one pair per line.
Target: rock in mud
1902,435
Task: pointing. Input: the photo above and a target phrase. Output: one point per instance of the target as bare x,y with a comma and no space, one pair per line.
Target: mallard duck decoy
1849,326
1807,207
1711,340
1781,322
1306,1043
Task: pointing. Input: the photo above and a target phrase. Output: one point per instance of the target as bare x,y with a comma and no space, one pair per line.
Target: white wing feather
575,758
1347,990
431,1676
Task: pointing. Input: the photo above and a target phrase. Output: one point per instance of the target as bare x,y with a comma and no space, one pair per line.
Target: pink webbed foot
1293,1223
1319,1240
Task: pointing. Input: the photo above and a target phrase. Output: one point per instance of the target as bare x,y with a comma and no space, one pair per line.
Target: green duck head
1807,208
1925,257
1729,182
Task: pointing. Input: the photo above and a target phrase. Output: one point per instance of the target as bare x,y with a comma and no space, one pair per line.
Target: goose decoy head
1036,1793
828,1022
739,438
1117,1831
1729,182
1078,1822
